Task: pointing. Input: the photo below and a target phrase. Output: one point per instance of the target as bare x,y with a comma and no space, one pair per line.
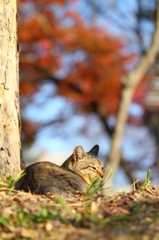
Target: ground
125,216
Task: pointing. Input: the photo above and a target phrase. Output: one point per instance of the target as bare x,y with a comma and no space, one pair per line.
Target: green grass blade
147,180
13,182
63,204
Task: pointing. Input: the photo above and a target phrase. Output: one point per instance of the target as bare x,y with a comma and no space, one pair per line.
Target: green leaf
4,221
43,213
9,179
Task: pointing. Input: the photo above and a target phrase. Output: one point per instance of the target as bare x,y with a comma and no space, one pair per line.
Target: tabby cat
72,176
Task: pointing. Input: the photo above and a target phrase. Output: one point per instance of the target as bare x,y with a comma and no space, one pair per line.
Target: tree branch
122,160
130,82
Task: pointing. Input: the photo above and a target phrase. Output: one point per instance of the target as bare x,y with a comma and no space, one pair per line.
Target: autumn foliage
85,63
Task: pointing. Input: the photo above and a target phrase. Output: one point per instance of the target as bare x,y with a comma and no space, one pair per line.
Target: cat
73,176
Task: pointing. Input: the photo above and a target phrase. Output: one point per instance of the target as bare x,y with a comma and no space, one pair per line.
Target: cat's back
45,177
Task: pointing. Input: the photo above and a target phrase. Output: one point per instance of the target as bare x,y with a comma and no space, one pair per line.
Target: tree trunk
10,146
130,83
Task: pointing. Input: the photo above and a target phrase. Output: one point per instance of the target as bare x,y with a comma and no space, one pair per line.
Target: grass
147,181
11,181
97,185
125,216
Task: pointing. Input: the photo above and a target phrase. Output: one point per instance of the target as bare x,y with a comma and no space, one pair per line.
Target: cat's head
85,164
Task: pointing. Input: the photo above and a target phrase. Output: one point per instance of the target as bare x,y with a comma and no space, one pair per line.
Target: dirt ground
124,216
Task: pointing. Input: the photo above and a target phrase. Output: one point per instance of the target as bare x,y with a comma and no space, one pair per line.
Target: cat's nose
101,174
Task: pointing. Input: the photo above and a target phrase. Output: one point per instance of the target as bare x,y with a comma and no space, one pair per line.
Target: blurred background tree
73,57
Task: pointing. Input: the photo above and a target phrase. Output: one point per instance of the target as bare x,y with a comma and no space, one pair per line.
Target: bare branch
130,82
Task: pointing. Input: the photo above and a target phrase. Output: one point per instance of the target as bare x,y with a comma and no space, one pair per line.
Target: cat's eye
93,168
103,169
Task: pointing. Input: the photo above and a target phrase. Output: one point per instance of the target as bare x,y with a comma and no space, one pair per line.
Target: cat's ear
78,153
94,150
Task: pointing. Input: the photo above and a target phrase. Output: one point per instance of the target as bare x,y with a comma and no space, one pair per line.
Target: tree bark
130,82
10,146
